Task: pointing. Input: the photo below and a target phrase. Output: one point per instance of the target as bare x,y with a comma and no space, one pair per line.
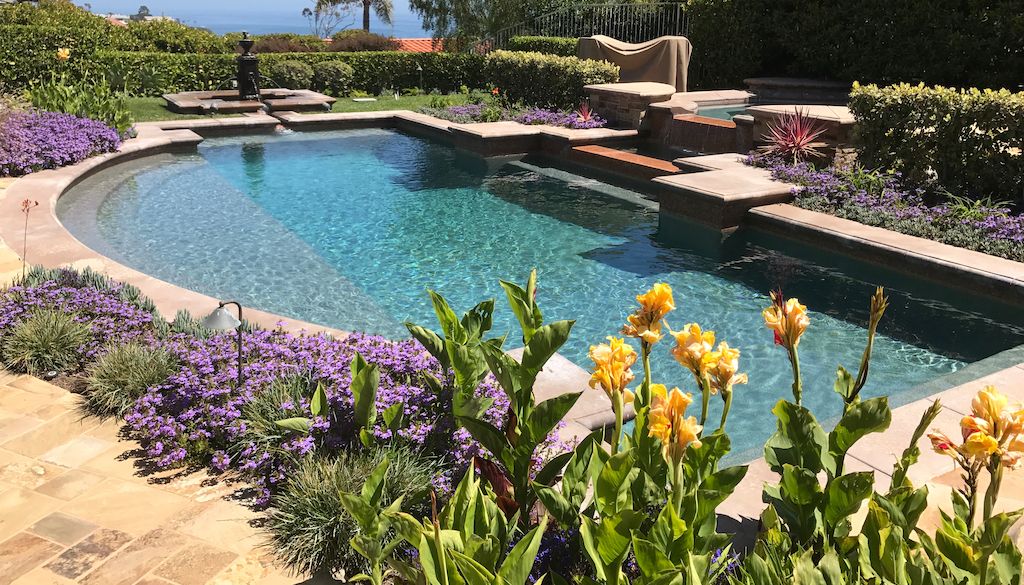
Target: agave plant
792,136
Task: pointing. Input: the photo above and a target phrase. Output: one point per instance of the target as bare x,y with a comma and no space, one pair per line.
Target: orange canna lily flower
612,363
669,423
645,323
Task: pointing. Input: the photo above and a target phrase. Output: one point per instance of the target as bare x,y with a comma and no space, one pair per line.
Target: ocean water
351,228
226,16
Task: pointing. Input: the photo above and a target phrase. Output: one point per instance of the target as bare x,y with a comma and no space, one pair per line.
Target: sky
256,16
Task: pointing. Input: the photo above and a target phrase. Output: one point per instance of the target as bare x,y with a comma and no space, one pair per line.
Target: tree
327,16
462,22
384,8
142,13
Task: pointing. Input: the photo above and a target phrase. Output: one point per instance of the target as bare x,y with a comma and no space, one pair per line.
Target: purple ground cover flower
884,200
34,141
469,113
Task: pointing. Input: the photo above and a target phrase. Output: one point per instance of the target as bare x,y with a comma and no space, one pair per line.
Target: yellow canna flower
645,323
63,54
668,422
612,363
692,345
980,446
972,424
788,320
989,404
722,366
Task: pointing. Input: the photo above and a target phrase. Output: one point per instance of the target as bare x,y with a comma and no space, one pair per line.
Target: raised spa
350,228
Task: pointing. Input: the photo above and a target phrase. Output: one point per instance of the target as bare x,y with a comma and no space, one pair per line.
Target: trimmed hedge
562,46
953,42
546,81
29,53
972,139
372,72
533,78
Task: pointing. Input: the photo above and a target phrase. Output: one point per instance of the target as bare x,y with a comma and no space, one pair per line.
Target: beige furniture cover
665,59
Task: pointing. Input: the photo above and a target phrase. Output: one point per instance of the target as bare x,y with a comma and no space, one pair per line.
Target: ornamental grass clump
45,344
122,375
307,525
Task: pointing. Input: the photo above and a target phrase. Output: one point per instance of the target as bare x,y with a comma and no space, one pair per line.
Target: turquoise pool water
350,228
721,112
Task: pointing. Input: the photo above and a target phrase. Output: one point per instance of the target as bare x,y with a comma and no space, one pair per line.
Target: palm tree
384,9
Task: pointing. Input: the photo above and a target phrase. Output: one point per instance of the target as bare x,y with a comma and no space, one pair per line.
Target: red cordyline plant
26,207
585,113
792,136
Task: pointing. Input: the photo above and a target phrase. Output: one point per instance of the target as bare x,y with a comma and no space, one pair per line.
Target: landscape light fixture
222,320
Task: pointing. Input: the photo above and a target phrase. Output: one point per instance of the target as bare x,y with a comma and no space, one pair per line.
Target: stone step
620,162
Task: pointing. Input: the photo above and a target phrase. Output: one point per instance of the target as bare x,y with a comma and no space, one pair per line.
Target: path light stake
222,320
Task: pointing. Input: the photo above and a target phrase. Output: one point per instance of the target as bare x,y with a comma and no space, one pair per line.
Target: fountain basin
227,101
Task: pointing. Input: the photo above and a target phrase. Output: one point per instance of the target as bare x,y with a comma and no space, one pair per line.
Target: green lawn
152,109
406,102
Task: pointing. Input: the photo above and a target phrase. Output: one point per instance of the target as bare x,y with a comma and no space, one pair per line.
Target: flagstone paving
75,507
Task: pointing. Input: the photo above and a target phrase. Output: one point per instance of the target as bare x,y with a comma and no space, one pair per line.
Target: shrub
123,374
173,37
47,341
307,525
333,78
971,139
285,43
357,40
291,74
729,40
562,46
34,141
542,80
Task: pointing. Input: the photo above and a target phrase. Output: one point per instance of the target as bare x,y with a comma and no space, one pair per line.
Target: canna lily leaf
547,414
299,424
318,404
545,342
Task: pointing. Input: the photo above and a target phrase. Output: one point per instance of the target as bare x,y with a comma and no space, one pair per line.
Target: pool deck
56,472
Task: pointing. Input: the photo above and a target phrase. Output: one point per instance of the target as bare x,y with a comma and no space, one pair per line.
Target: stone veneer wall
624,104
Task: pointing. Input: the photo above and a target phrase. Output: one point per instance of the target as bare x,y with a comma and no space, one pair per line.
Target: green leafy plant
514,447
46,341
87,99
811,514
469,542
121,376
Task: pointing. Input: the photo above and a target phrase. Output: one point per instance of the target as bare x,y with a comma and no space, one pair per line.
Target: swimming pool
350,228
722,112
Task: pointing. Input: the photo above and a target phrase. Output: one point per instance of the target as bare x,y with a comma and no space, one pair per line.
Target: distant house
123,19
420,45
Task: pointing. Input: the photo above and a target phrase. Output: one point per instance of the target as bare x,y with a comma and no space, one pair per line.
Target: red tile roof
420,45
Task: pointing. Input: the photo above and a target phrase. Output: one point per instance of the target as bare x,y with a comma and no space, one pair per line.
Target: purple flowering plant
38,140
470,113
200,417
883,199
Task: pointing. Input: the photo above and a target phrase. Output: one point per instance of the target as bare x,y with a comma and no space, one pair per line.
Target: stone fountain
248,96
